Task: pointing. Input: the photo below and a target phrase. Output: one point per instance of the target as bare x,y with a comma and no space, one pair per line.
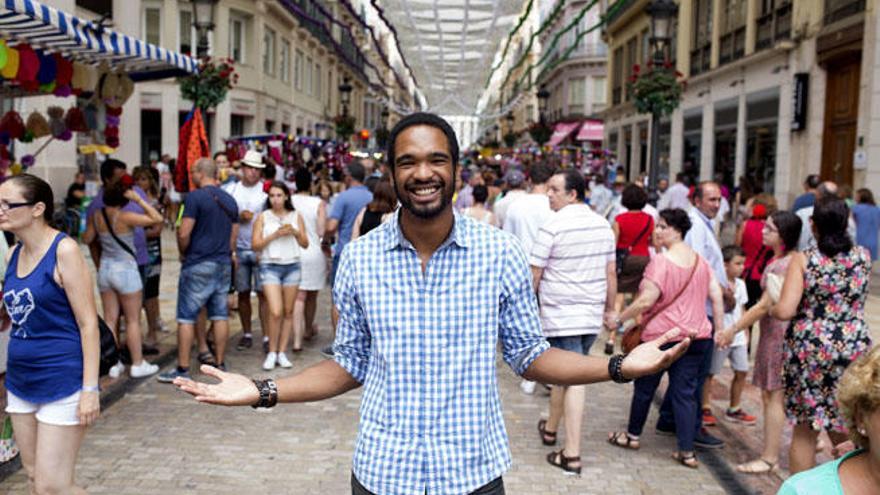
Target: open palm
233,389
648,358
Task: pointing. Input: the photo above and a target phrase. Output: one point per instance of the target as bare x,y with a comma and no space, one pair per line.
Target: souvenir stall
291,151
64,78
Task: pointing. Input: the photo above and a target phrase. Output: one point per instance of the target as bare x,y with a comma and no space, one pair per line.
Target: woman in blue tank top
53,358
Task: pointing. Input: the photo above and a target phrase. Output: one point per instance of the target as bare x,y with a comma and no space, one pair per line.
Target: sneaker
327,352
117,370
269,363
704,440
527,387
709,419
169,376
265,345
245,342
163,327
664,431
740,416
144,369
283,361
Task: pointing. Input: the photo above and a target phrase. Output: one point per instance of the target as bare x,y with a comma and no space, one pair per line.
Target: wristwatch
615,365
268,393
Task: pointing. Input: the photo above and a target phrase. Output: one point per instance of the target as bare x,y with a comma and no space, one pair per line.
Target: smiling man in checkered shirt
423,300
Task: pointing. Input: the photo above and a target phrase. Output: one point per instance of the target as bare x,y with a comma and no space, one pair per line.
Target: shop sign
800,96
243,107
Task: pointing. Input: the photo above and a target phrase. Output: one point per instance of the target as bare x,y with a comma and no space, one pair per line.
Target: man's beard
425,211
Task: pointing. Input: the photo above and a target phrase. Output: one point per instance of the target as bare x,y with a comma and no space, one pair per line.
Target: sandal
686,460
548,438
758,466
628,442
207,358
559,460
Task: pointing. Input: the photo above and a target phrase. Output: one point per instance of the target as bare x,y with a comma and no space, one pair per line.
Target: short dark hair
220,153
812,181
682,177
699,190
830,218
789,226
731,251
356,171
481,193
541,172
428,119
303,179
114,195
36,190
109,167
633,198
574,181
864,195
677,219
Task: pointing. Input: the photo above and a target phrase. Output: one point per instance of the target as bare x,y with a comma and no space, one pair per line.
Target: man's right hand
246,216
233,389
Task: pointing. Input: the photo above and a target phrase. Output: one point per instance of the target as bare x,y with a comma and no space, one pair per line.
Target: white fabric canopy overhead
450,45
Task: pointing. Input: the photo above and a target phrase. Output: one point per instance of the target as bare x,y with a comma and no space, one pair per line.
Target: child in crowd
737,351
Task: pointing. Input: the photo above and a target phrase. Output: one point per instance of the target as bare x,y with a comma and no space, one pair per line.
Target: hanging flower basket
209,86
344,126
540,132
657,89
510,139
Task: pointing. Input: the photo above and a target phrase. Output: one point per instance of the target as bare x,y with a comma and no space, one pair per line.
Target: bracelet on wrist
91,388
615,369
268,393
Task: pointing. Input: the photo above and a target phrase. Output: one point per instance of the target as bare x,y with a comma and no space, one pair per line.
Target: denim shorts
121,276
247,276
738,355
203,284
576,343
284,275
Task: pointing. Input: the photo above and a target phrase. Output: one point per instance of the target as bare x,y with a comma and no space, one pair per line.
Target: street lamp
384,116
543,96
203,13
662,13
345,95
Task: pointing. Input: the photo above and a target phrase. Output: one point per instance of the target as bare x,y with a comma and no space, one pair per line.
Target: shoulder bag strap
123,245
222,207
677,294
642,233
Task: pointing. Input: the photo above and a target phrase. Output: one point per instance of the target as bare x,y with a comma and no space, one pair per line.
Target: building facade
776,90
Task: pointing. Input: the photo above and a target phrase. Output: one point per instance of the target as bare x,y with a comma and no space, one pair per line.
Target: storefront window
762,115
692,144
725,142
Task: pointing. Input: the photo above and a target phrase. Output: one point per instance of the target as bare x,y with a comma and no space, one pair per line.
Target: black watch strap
268,393
615,369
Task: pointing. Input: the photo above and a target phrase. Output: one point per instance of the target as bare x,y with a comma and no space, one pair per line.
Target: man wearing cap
250,199
514,180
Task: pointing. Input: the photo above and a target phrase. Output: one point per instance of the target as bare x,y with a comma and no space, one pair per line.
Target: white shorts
739,359
61,412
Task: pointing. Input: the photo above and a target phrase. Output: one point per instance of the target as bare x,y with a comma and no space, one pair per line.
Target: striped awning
52,30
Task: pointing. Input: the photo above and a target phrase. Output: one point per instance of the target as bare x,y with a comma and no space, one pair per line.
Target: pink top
688,312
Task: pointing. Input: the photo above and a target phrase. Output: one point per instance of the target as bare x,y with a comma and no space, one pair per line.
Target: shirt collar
460,235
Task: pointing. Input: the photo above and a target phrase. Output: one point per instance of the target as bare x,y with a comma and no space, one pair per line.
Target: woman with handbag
633,230
53,359
119,280
780,235
673,293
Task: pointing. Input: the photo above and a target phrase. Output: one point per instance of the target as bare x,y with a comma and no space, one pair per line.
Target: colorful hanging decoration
192,145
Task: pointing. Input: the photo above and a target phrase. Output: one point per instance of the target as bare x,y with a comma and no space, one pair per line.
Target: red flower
267,184
127,181
636,68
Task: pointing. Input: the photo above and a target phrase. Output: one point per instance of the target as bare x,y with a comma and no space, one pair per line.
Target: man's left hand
648,358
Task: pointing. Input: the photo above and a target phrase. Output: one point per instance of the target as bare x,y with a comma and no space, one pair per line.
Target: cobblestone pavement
157,440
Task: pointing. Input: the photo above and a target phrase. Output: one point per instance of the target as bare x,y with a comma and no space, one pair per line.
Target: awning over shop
591,130
561,131
28,21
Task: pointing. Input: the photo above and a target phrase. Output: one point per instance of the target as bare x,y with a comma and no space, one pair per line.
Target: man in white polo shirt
573,266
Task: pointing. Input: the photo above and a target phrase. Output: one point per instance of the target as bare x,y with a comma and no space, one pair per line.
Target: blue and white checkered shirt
424,347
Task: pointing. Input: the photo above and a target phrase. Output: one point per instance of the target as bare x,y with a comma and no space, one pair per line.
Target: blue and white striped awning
50,29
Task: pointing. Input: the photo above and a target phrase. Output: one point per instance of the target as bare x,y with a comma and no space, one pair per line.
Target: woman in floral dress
824,296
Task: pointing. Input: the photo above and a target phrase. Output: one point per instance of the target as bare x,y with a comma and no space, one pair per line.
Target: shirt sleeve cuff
355,367
528,357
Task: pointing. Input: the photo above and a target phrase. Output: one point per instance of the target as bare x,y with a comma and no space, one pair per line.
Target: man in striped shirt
573,266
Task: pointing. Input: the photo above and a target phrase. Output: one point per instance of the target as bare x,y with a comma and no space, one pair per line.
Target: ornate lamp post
662,13
203,13
510,135
543,96
344,122
541,131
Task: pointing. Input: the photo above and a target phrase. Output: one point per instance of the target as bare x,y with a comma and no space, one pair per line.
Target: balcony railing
836,10
619,11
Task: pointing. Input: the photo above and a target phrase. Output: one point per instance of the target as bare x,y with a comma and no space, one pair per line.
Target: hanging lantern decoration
37,125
